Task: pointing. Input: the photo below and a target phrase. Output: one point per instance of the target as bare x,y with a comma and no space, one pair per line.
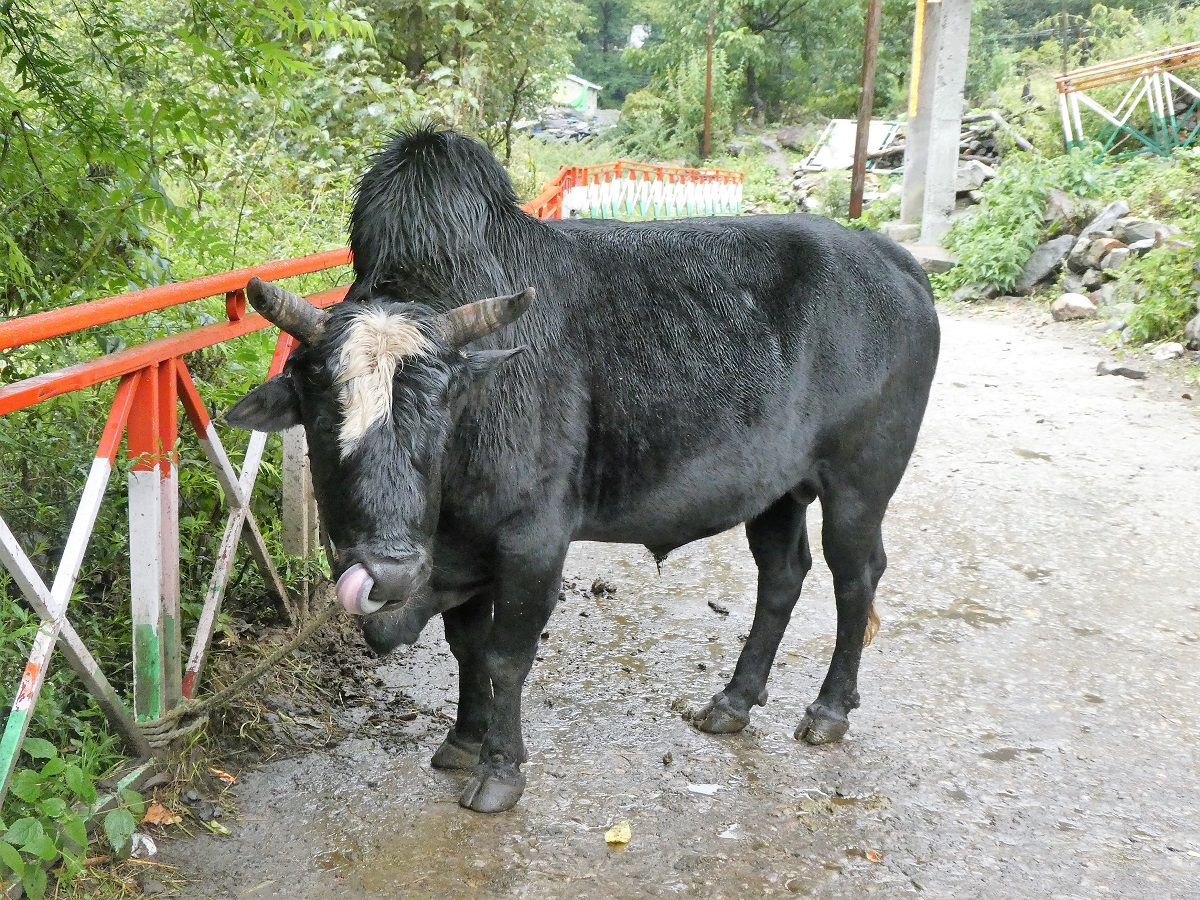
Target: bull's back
722,357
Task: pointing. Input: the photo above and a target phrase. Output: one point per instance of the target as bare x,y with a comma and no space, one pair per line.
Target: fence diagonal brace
55,627
237,490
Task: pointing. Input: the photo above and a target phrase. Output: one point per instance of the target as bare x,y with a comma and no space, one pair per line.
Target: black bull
677,379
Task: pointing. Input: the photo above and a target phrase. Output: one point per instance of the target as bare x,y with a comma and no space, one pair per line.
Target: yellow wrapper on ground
619,833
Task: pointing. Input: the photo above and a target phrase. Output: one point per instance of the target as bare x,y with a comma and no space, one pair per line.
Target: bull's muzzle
371,583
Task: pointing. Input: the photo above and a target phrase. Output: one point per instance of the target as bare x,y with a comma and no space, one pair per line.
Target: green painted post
22,709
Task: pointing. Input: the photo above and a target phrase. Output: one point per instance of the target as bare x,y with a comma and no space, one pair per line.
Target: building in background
578,94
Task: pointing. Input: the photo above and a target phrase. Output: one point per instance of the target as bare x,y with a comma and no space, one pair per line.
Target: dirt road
1030,725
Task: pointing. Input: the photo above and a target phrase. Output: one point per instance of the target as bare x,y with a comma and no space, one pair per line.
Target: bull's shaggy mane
430,205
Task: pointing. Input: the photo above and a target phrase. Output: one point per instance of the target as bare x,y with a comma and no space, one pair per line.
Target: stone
1043,262
1191,332
791,137
1130,231
1077,257
1107,368
1169,350
1061,208
971,177
1114,259
974,292
1071,284
1098,249
1069,307
737,148
933,260
1105,295
901,231
1091,279
1107,218
1140,247
1174,245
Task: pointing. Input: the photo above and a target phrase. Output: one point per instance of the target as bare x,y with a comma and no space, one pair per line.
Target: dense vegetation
151,141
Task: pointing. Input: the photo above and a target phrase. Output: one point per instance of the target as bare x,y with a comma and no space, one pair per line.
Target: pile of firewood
980,140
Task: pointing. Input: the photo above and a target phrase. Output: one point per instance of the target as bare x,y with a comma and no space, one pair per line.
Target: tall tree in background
795,54
102,102
502,57
601,56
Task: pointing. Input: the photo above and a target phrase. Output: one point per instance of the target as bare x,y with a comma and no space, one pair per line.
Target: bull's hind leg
852,538
467,628
779,543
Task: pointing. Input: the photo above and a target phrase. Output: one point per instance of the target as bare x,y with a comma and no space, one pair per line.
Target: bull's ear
483,363
273,406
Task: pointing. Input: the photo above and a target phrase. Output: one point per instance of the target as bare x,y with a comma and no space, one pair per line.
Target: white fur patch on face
378,342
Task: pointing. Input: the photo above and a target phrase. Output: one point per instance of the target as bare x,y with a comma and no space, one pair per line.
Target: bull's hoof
822,725
490,793
456,753
722,716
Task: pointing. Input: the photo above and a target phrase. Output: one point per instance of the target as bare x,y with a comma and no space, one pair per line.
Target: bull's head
377,387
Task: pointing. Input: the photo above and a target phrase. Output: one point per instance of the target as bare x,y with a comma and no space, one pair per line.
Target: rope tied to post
190,716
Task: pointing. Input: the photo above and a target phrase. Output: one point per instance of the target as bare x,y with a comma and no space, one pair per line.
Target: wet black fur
681,378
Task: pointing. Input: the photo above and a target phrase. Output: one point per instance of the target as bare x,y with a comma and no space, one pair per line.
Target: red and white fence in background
154,382
625,188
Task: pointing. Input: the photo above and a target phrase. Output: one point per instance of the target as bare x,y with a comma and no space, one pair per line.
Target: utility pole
707,149
866,102
940,42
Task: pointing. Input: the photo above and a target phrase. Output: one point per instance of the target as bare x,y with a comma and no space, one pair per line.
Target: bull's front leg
529,578
467,628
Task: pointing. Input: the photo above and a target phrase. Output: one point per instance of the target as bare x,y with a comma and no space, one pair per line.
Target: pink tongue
350,588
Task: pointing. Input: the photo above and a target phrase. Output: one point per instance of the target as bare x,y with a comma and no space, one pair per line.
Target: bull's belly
696,500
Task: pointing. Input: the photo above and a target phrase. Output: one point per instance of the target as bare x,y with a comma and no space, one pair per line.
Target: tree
102,104
789,52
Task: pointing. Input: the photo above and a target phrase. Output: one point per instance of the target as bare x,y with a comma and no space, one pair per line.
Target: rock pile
806,188
1086,260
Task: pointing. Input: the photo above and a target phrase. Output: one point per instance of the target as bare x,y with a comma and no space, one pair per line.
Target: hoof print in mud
488,793
456,753
822,726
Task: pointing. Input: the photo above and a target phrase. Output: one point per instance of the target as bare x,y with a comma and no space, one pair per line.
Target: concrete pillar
301,535
920,109
931,154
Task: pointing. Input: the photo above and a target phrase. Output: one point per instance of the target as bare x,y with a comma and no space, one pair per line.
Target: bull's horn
464,324
292,313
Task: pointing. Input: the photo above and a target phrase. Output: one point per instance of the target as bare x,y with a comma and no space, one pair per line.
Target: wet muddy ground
1030,723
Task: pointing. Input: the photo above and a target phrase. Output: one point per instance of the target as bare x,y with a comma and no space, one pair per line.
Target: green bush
665,121
994,241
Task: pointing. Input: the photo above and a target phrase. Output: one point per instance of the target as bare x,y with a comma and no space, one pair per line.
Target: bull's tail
872,626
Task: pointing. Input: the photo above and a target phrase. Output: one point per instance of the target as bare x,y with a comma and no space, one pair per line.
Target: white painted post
145,548
168,534
935,116
920,110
